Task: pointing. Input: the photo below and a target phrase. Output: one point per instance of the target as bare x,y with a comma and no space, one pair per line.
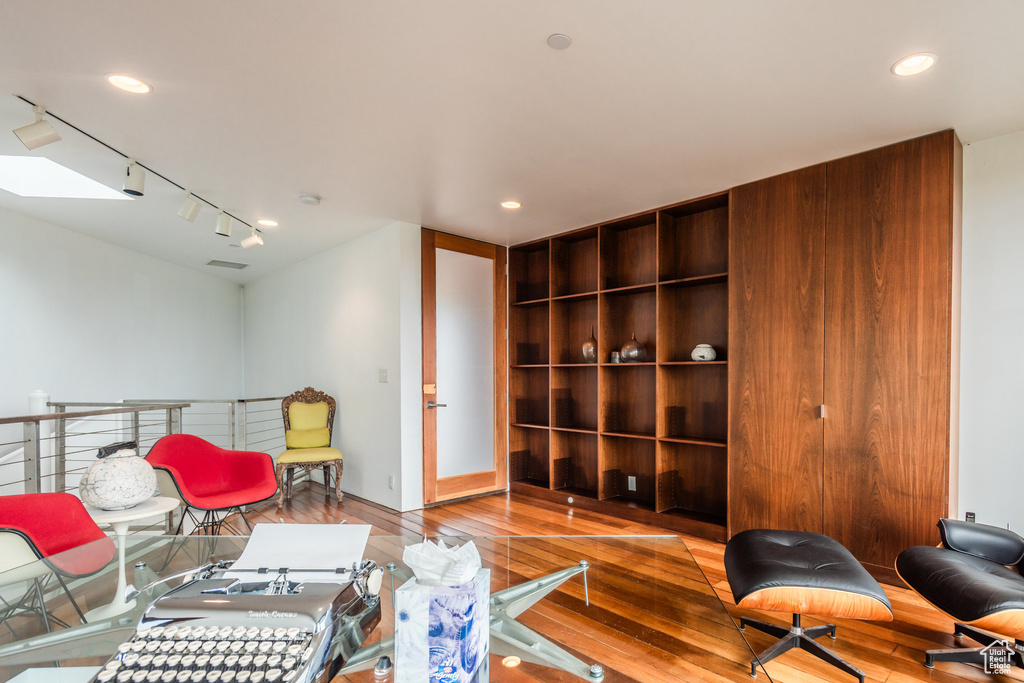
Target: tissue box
442,632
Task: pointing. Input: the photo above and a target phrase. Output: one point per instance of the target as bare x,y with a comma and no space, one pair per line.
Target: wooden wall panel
887,346
776,323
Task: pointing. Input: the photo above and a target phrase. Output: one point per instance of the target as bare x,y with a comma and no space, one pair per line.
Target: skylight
41,177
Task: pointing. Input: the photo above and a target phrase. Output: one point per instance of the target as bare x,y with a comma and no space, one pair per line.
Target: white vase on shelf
703,352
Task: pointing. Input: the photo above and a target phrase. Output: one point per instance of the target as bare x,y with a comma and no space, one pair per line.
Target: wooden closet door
776,345
887,347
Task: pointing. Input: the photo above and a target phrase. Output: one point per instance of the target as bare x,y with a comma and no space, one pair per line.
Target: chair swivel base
798,637
975,655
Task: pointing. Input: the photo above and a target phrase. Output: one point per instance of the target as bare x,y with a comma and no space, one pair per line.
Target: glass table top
652,615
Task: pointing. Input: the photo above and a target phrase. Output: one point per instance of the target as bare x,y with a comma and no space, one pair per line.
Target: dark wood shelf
657,426
696,281
632,435
570,297
693,362
631,289
694,440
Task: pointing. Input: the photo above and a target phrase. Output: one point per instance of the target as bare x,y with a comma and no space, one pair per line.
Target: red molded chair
54,527
211,479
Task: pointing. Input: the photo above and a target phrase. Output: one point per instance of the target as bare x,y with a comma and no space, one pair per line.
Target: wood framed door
464,367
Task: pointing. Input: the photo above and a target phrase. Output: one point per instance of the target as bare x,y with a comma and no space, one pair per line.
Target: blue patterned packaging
441,632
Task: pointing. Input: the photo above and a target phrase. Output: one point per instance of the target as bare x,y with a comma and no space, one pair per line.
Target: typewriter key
153,676
159,661
227,676
265,646
198,676
213,676
244,661
184,675
194,645
294,650
252,646
105,676
138,645
186,661
241,677
273,675
266,632
280,646
124,676
145,660
238,632
216,661
289,676
124,647
168,676
140,675
230,661
179,646
113,664
259,660
288,663
202,661
252,632
237,645
256,677
130,659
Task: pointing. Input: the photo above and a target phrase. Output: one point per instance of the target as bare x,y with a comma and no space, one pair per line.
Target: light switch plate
382,375
631,483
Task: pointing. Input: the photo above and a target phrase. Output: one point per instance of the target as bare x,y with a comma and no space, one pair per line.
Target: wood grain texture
692,244
825,602
574,263
629,252
574,461
887,346
574,398
529,267
776,338
691,314
428,316
693,402
572,323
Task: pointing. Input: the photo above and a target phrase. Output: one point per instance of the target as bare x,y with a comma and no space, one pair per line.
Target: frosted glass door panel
465,363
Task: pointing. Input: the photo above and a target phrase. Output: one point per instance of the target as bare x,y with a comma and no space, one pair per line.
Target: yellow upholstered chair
308,428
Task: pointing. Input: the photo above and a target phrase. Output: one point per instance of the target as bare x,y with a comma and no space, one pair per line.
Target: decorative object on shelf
615,357
590,348
633,351
703,352
119,479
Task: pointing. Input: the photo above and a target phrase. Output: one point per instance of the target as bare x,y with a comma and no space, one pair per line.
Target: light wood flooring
890,652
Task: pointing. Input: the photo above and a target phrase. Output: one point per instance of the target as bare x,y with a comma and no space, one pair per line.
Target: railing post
32,471
174,421
245,426
231,424
136,435
60,457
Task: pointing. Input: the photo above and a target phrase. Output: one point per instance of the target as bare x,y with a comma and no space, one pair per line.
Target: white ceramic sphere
117,482
703,352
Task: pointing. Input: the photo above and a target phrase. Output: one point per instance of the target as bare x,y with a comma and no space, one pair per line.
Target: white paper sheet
302,546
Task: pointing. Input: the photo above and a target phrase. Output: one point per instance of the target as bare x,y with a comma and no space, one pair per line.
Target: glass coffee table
652,615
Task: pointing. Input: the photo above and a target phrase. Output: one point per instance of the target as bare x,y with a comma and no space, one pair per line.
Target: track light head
253,240
189,207
134,180
223,224
37,134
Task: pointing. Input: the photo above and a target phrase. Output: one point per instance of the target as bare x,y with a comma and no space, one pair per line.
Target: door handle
431,405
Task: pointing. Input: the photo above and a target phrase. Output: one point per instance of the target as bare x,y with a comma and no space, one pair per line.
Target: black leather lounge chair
973,577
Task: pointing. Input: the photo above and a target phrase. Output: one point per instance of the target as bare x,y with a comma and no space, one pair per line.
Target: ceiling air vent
227,264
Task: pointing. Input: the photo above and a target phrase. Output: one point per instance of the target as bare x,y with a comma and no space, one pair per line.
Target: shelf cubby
574,263
529,270
692,480
572,322
529,459
621,459
629,251
624,314
574,398
691,314
627,400
528,334
693,239
528,391
693,402
574,463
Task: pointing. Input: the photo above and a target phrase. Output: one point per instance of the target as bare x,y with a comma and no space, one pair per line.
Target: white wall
992,330
333,322
88,321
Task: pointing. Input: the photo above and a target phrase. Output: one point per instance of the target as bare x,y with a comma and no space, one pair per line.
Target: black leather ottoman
801,573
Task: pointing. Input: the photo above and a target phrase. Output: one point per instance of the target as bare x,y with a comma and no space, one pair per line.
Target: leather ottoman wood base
801,573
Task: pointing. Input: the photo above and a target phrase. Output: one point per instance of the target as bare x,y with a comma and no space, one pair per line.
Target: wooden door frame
480,482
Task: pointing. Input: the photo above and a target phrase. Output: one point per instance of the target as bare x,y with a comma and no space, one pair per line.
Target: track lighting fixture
189,207
37,134
134,180
223,224
253,240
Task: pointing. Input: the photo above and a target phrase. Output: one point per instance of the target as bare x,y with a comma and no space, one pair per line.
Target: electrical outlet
382,375
969,516
631,483
391,482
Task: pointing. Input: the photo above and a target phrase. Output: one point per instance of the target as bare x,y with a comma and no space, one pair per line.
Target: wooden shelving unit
645,441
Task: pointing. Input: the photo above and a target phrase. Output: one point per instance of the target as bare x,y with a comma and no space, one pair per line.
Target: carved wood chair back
309,395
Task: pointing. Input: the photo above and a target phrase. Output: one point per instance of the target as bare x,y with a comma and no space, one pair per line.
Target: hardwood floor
890,652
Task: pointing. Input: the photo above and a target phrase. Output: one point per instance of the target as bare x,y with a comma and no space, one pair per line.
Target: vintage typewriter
264,626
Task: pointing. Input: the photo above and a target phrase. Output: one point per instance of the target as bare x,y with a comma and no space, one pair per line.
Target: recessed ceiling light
130,84
511,204
559,41
41,177
914,64
267,223
511,661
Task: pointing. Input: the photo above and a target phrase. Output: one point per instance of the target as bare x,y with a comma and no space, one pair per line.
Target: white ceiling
434,112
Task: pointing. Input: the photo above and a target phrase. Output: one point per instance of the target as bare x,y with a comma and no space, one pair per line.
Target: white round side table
120,520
